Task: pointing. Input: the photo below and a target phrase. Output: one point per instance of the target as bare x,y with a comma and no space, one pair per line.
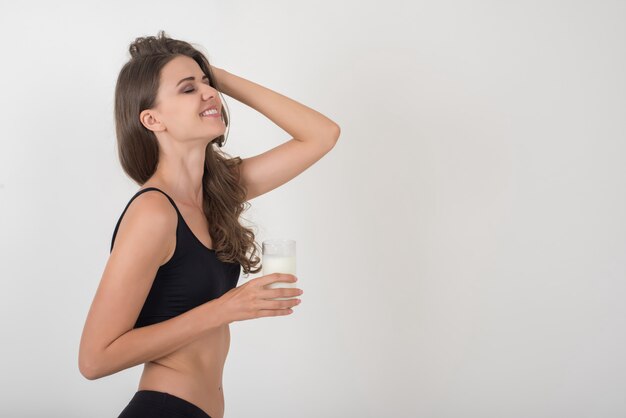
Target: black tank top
191,277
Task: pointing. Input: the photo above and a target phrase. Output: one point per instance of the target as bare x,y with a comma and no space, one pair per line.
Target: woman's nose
208,92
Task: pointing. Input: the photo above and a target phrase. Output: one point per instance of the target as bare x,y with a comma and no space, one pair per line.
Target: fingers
273,312
267,298
281,292
262,303
279,305
275,277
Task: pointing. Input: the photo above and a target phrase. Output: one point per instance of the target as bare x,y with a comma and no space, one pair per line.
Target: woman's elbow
87,368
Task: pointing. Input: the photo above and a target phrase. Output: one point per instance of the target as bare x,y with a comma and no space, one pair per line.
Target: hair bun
150,45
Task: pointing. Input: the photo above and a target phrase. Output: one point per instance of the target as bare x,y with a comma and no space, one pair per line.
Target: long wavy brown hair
224,198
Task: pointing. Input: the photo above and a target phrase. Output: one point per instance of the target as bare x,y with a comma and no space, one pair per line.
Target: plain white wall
462,249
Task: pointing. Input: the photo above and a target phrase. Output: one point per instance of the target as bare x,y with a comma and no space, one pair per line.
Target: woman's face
184,93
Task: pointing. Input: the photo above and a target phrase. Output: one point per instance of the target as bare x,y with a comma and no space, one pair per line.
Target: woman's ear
149,119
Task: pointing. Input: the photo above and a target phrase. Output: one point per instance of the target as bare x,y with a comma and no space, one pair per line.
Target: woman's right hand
252,300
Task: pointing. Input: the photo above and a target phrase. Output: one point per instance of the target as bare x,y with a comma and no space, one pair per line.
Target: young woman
169,288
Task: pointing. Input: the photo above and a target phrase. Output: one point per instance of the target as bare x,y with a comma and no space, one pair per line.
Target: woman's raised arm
313,134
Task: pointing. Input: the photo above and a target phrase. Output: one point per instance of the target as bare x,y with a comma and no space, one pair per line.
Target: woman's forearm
300,121
152,342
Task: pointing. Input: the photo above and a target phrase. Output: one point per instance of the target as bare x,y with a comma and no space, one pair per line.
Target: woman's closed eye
192,90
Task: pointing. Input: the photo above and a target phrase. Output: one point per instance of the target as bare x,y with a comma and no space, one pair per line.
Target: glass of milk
279,256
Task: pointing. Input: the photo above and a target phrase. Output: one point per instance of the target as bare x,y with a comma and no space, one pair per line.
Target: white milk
280,264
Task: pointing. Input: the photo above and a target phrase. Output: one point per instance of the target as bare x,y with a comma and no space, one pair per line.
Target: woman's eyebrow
189,78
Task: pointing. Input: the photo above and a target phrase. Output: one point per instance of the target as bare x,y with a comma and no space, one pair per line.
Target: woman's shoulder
147,212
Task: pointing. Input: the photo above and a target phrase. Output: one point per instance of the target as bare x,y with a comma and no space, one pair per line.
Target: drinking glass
279,256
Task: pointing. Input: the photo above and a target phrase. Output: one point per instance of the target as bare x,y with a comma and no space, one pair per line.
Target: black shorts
153,404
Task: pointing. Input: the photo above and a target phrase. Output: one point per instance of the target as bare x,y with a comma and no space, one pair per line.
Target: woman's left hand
216,71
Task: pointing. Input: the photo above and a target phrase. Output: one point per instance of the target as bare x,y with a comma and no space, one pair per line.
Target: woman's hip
154,404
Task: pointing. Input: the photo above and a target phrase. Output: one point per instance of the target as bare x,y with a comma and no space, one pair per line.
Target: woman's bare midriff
193,373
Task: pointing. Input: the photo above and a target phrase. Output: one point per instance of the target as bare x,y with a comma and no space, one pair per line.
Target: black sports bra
191,277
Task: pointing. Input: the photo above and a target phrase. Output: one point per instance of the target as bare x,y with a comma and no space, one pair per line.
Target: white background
462,248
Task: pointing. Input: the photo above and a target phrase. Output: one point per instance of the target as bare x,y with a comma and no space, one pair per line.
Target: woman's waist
162,375
201,388
202,358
